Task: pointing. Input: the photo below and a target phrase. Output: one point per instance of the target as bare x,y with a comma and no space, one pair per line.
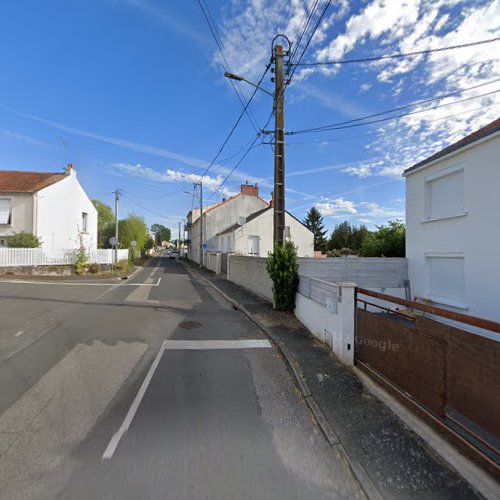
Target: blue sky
132,92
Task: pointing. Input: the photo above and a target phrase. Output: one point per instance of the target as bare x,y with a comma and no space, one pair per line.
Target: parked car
174,254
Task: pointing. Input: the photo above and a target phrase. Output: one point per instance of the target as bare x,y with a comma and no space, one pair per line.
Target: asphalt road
107,393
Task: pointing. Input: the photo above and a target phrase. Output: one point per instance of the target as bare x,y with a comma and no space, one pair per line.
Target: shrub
23,240
333,253
93,268
283,269
122,265
347,251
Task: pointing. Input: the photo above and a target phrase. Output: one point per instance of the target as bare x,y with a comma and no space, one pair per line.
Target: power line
234,126
402,115
304,26
396,56
309,40
338,125
131,201
252,145
215,34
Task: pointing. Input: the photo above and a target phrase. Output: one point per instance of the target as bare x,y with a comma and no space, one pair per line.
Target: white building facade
254,235
52,206
453,225
219,217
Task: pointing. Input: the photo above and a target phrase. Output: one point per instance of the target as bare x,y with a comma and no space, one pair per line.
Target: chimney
250,190
70,170
271,201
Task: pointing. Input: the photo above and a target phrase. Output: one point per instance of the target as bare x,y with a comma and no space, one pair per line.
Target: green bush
24,240
283,269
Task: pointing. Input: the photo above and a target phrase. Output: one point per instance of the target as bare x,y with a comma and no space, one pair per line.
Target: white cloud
173,176
370,209
336,207
365,87
27,139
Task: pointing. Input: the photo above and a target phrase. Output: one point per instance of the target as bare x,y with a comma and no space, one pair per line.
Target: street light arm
239,78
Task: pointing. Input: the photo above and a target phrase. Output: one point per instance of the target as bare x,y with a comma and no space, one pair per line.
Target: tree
105,223
341,236
387,241
133,228
314,222
358,236
162,233
24,240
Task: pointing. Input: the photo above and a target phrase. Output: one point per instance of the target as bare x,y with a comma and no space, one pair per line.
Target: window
5,211
446,279
85,217
253,245
3,243
445,195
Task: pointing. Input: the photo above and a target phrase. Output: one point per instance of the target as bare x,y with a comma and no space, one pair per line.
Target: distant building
220,216
254,235
243,224
452,220
52,206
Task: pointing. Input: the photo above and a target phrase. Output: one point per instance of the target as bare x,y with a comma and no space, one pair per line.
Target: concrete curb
356,468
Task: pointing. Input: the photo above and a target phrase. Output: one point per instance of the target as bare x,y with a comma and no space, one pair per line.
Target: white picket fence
12,257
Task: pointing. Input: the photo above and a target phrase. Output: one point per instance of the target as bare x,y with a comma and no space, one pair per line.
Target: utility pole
117,196
179,238
201,224
279,148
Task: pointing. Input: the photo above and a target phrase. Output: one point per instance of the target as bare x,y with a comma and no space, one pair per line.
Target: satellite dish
133,243
241,220
113,241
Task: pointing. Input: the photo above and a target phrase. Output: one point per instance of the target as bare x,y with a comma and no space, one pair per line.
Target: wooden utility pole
201,224
179,238
117,196
279,148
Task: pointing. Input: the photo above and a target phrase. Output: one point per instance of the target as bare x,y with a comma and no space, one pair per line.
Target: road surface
151,388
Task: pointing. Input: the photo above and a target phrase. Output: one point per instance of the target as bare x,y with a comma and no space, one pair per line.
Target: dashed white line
19,333
217,344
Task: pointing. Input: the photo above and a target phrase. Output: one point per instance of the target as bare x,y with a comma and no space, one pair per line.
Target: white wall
262,226
222,217
475,235
59,210
21,214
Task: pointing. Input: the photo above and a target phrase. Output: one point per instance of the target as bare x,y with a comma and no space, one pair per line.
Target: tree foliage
314,222
23,240
162,233
345,236
387,241
133,228
105,223
283,269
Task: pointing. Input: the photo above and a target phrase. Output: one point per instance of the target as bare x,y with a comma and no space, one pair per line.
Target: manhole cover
189,325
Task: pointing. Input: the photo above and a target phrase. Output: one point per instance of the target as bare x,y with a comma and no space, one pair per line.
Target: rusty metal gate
448,375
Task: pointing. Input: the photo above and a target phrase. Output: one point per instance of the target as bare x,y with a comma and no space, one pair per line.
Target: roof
16,181
482,133
253,216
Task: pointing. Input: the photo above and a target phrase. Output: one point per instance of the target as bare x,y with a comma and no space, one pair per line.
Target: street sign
204,246
113,241
133,243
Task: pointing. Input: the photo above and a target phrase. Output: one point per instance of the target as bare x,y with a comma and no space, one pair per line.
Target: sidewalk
389,459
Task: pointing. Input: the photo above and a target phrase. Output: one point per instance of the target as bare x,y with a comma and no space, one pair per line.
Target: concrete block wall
250,273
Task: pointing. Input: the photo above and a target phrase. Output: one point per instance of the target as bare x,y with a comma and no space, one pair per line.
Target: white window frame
458,304
10,213
428,179
85,222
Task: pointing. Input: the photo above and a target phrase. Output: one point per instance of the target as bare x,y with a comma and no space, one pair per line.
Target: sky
132,92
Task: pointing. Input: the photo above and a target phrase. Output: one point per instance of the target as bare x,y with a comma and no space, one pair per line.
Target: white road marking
217,344
175,345
82,283
19,333
115,440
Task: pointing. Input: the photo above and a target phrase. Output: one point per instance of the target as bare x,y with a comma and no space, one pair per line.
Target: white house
254,235
220,216
453,225
52,206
